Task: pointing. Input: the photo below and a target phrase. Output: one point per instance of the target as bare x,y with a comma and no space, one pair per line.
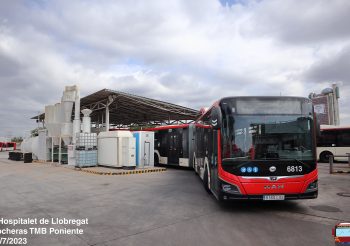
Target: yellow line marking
123,172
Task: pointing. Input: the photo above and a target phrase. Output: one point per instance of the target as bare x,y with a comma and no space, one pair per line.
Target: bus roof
334,128
344,224
265,97
217,103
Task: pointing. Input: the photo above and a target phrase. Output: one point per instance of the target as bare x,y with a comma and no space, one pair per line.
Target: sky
186,52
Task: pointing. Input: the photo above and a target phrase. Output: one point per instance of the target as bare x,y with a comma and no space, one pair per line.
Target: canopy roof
127,109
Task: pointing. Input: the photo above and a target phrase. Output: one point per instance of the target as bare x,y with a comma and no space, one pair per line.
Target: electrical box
116,149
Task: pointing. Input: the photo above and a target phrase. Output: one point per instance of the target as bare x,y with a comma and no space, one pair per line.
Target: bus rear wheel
324,156
206,180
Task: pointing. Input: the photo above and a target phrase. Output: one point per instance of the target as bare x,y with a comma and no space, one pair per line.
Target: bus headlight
229,188
313,186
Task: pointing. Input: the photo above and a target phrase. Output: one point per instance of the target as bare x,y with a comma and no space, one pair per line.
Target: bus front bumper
269,190
228,196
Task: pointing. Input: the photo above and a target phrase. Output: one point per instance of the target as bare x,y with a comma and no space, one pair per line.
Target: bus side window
327,139
344,139
185,143
164,143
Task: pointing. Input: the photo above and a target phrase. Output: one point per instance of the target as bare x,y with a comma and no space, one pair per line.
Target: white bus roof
323,127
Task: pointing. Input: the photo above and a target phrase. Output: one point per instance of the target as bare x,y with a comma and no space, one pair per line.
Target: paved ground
168,208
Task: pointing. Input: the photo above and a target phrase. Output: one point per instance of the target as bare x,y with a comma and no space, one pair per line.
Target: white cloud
187,52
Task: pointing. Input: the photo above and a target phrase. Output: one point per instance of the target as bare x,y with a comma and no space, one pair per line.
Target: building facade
326,105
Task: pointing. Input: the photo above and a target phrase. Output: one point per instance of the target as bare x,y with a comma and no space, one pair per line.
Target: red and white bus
341,234
7,146
173,145
258,148
333,141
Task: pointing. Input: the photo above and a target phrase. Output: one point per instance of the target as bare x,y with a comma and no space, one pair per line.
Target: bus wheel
206,180
324,156
156,160
195,166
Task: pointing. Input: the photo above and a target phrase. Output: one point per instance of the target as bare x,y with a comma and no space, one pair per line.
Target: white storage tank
116,149
144,148
43,146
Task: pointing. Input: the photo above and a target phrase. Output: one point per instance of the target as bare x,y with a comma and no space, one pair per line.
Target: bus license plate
273,197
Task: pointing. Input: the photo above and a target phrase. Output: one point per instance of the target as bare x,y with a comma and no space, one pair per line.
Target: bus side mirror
216,118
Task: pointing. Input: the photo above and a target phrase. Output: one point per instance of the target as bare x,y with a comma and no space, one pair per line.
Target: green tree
17,139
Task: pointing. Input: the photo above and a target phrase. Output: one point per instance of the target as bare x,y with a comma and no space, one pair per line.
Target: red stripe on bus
335,129
166,127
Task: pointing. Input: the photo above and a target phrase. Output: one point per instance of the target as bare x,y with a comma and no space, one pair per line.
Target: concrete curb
344,172
87,170
151,170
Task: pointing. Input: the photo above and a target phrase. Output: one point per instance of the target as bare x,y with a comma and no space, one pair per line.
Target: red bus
258,148
173,145
333,141
7,146
341,234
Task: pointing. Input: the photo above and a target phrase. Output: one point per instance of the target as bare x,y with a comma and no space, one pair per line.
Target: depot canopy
127,109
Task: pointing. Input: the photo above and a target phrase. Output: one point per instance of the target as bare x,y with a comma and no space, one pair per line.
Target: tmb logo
272,169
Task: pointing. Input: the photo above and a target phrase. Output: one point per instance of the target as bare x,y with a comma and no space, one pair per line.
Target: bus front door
213,155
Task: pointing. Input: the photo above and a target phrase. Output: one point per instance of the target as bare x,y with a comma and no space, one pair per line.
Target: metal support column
107,118
60,151
51,149
102,119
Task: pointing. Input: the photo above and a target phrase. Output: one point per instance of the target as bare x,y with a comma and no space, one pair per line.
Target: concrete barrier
331,163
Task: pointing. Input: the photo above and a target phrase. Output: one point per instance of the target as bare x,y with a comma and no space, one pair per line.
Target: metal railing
331,161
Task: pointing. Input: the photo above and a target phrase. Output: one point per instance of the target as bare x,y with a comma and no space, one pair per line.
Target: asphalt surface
168,208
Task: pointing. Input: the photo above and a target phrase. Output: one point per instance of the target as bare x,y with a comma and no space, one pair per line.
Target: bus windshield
267,136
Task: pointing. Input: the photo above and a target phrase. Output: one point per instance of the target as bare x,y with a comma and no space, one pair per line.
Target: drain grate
345,194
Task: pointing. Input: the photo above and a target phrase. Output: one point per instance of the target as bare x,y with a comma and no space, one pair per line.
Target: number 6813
294,169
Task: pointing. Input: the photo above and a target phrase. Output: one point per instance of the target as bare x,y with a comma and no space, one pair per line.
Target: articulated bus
173,145
333,141
258,148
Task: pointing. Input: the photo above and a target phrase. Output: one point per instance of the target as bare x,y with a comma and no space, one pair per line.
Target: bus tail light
230,188
313,186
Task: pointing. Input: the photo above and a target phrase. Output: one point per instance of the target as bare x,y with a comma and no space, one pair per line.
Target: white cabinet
116,149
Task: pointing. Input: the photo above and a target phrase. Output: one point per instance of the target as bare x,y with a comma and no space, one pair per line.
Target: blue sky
185,52
231,2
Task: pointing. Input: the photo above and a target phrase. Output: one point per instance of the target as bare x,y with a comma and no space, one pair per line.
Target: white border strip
269,177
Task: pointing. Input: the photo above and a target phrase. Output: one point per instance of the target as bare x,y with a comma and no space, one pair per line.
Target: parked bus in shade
333,141
173,145
258,148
